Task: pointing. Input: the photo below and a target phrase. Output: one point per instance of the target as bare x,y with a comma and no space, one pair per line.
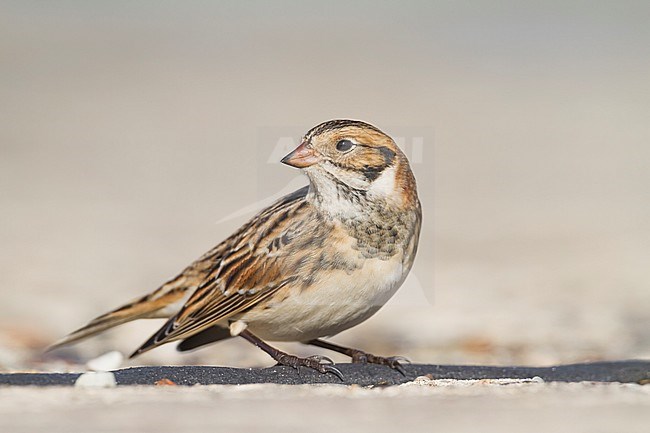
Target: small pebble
96,379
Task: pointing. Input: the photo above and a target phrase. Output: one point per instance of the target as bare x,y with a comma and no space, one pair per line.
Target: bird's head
354,156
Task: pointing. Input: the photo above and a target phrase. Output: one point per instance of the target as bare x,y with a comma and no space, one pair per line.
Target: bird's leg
361,357
321,364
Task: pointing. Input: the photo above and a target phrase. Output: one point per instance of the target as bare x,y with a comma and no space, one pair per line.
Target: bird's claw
398,358
393,362
329,369
320,363
322,359
324,365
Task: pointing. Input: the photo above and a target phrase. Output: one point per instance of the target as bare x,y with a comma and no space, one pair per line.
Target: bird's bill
301,157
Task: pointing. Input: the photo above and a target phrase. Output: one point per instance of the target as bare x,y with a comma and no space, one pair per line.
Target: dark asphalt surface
365,375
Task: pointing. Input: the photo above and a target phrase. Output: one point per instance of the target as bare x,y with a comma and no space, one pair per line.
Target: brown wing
255,265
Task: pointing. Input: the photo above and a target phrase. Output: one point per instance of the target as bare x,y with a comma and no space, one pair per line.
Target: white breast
336,301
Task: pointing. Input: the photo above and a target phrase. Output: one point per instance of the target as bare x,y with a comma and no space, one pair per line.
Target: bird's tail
160,304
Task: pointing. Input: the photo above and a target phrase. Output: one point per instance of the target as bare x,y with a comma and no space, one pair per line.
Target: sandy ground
416,407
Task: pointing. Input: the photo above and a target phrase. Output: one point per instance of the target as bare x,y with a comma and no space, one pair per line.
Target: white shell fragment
95,379
108,361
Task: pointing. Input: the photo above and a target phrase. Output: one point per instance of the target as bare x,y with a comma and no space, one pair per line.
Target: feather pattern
246,269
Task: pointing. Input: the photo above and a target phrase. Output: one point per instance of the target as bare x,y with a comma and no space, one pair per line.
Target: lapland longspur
316,262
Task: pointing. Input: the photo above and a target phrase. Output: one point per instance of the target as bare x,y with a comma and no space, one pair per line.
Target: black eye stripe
372,172
389,155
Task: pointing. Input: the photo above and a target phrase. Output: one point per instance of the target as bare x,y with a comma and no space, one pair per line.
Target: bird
316,262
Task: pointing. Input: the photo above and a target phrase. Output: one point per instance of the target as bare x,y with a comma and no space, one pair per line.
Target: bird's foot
322,364
394,362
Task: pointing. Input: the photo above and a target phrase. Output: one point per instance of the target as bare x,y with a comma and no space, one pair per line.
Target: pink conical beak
302,157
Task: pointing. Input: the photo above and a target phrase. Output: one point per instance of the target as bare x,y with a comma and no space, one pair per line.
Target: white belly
335,302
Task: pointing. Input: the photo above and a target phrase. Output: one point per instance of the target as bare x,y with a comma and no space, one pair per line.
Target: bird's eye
344,145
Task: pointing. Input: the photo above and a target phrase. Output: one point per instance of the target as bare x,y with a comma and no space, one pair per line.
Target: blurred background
136,135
